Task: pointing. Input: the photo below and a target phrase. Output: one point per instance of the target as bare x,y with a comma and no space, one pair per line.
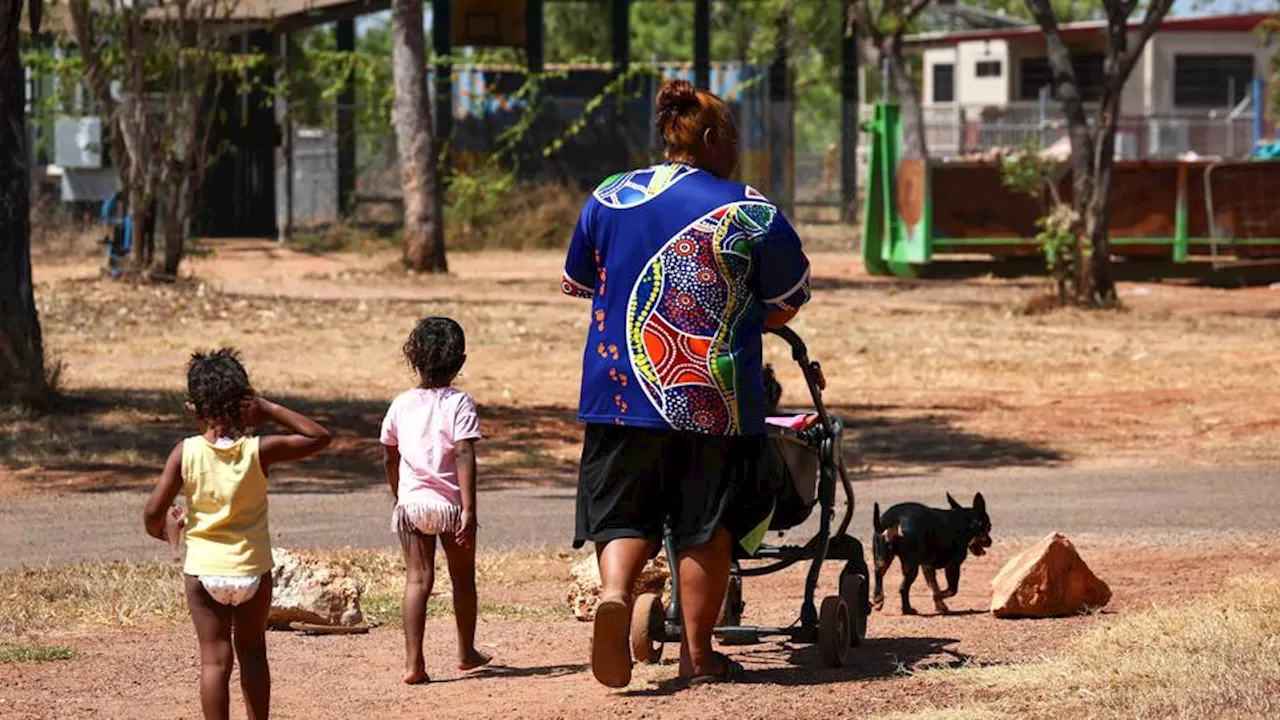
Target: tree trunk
144,246
1081,196
175,231
22,378
411,115
1102,290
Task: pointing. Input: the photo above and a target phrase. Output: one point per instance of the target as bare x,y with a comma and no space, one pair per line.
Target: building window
1035,74
944,83
1211,80
988,68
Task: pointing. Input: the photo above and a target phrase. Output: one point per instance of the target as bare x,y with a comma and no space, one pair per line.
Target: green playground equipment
918,211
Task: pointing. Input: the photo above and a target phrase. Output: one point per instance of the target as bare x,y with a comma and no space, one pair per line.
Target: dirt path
1063,421
1172,507
539,671
930,376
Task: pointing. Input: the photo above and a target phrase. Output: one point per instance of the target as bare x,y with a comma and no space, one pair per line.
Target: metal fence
957,131
492,118
315,177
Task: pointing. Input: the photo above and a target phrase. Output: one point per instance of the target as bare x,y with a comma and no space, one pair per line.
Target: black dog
933,539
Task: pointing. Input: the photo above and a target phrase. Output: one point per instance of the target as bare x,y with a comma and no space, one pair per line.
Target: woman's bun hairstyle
683,114
676,98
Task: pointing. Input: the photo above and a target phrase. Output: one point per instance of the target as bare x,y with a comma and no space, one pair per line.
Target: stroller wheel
853,588
647,628
835,631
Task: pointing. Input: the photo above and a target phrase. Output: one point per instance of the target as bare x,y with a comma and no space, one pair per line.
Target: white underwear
230,590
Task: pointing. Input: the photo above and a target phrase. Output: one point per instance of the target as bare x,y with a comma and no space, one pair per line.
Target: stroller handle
799,352
813,376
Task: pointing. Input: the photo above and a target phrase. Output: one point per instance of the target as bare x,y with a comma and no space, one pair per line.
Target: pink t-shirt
426,424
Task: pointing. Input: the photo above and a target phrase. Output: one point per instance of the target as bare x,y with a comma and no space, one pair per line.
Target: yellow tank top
226,491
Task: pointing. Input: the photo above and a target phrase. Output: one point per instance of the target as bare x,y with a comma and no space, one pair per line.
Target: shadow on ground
879,438
795,666
1202,272
505,671
933,440
105,440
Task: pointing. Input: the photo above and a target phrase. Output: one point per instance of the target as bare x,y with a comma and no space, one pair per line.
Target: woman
684,269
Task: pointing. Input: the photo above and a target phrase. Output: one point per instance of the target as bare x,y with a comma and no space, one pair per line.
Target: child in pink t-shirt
429,435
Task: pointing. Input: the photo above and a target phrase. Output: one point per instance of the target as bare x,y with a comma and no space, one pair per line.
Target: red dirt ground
539,669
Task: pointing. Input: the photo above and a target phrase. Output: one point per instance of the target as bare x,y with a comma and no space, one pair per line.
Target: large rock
308,590
584,584
1048,579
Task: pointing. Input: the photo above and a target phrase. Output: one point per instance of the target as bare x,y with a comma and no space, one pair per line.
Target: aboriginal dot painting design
684,315
629,189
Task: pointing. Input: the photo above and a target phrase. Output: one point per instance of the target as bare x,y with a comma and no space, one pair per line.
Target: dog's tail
875,519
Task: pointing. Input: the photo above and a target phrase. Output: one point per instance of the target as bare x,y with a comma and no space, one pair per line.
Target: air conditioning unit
1167,137
79,142
1126,146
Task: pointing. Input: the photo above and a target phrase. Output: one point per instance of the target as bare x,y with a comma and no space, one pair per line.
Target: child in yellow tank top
222,473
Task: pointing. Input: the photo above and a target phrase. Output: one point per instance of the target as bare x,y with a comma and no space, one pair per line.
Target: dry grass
1216,657
104,595
383,576
89,595
522,217
60,233
342,237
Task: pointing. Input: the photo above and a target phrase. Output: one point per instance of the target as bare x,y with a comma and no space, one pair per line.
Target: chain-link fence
958,131
580,127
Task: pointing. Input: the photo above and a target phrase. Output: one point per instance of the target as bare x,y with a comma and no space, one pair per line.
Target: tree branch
871,30
1065,86
913,11
1156,12
95,73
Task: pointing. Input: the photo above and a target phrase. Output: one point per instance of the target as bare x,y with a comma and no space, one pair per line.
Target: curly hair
436,350
216,385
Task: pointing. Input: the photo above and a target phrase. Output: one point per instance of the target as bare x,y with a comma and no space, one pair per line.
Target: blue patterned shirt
681,268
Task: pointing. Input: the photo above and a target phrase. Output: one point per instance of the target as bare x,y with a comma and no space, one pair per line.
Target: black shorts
633,480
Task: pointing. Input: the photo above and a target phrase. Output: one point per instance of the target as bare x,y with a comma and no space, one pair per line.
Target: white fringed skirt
429,517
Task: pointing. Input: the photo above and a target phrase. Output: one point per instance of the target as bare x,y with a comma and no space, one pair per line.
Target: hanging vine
314,81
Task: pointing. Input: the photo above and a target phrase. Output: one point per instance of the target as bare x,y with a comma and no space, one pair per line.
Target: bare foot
416,677
474,659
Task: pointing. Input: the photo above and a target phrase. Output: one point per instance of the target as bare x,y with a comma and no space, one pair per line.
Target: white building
1192,88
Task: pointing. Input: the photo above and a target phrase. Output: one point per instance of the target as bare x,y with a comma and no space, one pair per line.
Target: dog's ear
952,501
980,504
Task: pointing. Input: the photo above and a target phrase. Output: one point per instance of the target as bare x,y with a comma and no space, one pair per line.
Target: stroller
808,463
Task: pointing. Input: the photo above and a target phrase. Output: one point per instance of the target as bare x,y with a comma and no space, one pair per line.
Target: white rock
310,591
584,584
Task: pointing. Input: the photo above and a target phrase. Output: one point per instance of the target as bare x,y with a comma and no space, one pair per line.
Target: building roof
1245,22
291,14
